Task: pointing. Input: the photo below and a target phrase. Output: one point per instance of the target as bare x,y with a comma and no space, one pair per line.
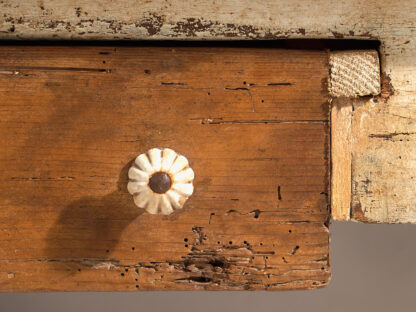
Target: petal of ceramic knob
160,181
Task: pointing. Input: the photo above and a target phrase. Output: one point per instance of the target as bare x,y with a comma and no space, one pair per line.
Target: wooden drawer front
253,124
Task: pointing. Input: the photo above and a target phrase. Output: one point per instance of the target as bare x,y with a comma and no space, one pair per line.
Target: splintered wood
252,122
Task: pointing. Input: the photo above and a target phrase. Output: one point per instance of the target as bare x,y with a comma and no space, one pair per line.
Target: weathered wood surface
253,124
383,129
341,153
353,74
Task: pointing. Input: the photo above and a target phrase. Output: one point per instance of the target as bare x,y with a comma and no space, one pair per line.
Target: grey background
373,269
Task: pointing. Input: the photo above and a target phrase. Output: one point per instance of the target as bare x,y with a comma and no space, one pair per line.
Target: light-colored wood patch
354,73
341,113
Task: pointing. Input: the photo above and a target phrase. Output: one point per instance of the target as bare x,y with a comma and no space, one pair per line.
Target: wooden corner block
354,73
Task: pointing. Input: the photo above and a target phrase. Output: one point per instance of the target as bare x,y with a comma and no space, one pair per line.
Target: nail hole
294,250
256,213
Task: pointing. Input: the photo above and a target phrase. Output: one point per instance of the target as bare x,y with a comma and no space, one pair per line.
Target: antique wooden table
280,141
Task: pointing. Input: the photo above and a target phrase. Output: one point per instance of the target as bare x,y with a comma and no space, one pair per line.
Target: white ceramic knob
160,181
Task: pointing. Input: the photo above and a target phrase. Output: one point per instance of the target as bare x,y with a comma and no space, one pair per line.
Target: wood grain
253,124
341,154
382,192
354,73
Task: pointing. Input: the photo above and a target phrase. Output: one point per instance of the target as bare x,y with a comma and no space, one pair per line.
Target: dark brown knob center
160,182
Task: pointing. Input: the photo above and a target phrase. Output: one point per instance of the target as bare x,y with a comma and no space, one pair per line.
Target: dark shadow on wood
303,44
88,229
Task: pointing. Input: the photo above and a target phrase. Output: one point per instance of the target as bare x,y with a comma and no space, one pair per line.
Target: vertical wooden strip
353,74
341,115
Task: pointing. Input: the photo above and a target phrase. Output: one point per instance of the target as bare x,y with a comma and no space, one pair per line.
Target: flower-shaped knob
160,181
